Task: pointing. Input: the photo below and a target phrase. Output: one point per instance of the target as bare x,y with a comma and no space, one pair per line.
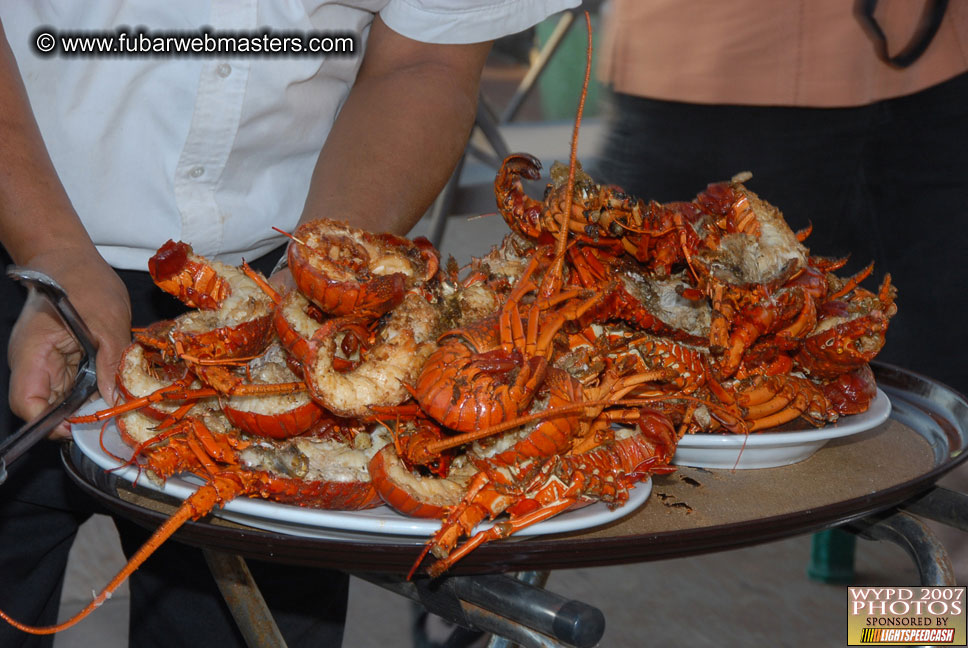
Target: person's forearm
398,137
35,213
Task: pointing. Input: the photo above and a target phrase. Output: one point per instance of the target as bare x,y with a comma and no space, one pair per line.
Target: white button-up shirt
212,151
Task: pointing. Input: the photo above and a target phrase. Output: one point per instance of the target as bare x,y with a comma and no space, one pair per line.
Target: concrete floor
752,596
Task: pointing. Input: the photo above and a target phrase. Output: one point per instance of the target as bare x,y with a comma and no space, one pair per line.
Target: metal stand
440,210
904,529
912,535
536,578
548,50
515,610
443,204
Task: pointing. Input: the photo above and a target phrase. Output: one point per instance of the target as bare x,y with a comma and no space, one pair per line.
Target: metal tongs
85,381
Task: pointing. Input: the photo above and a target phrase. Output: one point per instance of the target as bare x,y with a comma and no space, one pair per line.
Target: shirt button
223,70
196,172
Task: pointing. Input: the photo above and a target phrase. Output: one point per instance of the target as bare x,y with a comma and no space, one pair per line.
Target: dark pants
174,600
886,182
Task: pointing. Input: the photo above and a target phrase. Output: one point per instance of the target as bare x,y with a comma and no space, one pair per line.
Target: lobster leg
778,400
261,282
770,407
501,530
460,520
570,312
143,446
852,282
785,415
556,484
176,391
486,498
803,324
220,447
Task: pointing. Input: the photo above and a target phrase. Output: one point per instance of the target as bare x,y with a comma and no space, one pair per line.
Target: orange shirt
772,52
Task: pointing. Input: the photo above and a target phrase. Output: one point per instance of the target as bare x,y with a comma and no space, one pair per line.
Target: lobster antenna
190,509
570,187
288,235
437,447
260,281
553,276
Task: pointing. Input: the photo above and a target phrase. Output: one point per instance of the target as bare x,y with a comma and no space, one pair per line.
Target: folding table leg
244,599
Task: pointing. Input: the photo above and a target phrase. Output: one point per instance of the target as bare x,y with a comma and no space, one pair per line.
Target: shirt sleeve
467,21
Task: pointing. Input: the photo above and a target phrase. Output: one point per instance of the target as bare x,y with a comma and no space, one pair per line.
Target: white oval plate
772,449
318,523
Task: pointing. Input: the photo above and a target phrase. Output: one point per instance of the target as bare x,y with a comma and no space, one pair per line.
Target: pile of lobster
559,369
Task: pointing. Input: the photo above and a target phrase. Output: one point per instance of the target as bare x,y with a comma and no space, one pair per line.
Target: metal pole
941,505
504,606
912,535
536,578
242,595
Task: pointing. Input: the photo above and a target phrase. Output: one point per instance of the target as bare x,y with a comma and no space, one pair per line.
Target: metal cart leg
535,578
504,606
832,557
912,535
244,599
941,505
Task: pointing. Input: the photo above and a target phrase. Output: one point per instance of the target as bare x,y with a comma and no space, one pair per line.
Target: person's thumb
106,365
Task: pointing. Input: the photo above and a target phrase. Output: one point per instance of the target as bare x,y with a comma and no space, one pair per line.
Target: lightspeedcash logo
907,636
906,616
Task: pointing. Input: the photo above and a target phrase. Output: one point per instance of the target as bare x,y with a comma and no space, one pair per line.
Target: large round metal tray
692,511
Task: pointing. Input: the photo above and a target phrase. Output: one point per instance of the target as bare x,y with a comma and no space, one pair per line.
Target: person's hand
44,356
